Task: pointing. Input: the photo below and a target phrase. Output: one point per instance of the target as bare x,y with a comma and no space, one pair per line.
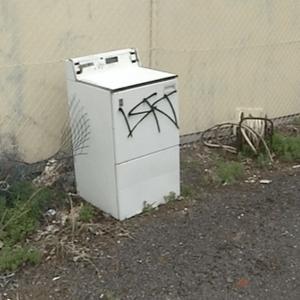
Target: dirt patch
221,242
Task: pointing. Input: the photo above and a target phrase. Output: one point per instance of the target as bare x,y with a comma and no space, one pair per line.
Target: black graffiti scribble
153,110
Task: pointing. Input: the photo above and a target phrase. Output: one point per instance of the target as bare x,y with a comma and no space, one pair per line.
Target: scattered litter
250,131
55,278
1,245
63,218
250,180
51,212
4,280
52,229
296,167
265,181
50,175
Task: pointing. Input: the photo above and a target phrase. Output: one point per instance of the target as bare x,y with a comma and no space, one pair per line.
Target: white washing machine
132,156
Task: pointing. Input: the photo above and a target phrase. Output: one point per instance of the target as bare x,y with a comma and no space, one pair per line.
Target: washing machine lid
115,70
116,80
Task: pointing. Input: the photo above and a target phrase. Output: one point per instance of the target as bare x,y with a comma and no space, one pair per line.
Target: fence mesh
230,56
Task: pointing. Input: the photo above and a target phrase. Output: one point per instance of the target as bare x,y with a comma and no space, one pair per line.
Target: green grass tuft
148,207
20,212
286,148
263,161
229,172
296,121
11,258
86,213
171,197
186,191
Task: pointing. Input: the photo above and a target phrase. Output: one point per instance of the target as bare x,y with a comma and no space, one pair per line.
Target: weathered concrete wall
35,37
228,54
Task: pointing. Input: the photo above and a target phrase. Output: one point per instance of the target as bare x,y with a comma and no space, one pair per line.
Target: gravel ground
230,242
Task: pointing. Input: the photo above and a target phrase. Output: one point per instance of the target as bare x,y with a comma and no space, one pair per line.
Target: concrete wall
35,37
228,53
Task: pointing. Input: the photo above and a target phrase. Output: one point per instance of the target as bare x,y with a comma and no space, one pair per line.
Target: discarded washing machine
132,155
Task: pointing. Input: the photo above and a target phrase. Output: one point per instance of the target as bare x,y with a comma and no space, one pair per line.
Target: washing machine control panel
105,61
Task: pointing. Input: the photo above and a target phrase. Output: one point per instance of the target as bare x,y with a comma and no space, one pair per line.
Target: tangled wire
256,133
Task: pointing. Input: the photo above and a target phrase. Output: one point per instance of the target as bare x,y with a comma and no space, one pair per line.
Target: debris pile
254,133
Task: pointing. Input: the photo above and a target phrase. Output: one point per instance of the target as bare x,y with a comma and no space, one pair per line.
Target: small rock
230,280
296,167
76,258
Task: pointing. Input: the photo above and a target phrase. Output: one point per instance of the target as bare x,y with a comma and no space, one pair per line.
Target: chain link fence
231,56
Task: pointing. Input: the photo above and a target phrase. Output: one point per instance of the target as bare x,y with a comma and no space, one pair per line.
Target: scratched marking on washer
153,109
